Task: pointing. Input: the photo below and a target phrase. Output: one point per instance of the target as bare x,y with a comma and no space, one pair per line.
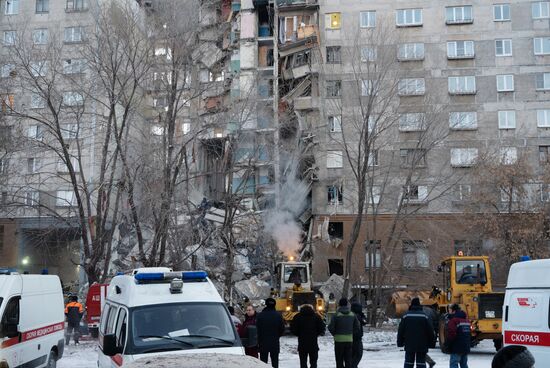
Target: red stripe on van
10,342
34,334
527,338
117,359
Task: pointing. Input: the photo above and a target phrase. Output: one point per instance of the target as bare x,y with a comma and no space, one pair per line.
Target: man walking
458,337
74,312
416,335
357,349
270,327
307,325
343,326
432,316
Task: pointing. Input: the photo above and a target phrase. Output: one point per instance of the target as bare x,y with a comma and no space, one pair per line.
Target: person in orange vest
74,312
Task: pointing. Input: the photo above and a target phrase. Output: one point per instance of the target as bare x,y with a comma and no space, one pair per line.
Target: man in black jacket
307,325
357,350
270,327
416,334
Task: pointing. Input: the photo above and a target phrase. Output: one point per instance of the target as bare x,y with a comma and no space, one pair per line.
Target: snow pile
194,360
254,288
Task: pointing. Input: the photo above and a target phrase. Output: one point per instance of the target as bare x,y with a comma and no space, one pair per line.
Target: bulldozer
294,289
466,281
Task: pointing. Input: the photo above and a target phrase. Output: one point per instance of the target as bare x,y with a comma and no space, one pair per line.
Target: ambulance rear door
526,322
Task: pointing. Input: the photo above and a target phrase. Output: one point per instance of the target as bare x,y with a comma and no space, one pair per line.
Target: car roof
529,274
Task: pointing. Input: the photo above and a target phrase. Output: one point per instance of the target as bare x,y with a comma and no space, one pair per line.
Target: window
542,45
366,88
11,7
336,266
460,50
35,132
37,101
120,330
335,194
11,312
372,160
508,155
7,70
542,81
335,123
545,192
462,85
459,14
3,166
334,56
505,83
541,9
62,167
186,128
503,47
415,193
40,36
32,198
373,195
33,165
65,198
334,159
372,252
409,17
333,20
411,157
69,131
368,54
336,229
507,119
74,66
77,5
412,122
510,194
415,254
334,88
72,99
367,19
501,12
42,6
411,87
73,34
463,192
38,68
10,38
410,51
463,120
544,154
2,231
543,118
463,157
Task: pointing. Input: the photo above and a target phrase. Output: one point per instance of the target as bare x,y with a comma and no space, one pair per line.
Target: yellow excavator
466,281
294,289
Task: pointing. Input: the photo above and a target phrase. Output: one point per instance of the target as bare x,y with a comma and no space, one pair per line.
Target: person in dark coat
343,326
432,315
73,312
271,327
513,356
357,348
416,334
458,338
307,325
249,320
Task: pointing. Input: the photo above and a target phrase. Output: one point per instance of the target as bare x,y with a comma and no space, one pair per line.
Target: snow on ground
380,352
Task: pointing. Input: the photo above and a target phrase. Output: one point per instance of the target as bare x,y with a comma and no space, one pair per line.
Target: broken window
336,230
463,157
415,254
373,195
334,55
336,266
508,155
335,194
373,254
334,88
544,154
415,193
335,124
300,59
412,122
413,157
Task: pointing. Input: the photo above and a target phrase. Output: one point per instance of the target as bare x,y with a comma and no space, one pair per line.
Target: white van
156,311
526,309
33,322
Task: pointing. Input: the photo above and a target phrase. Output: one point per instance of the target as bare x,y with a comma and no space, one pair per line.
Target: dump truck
466,281
294,289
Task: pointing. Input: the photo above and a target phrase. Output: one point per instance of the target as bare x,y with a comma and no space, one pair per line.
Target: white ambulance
32,320
156,311
526,309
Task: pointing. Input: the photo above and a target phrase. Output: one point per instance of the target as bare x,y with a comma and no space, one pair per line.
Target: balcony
305,37
293,4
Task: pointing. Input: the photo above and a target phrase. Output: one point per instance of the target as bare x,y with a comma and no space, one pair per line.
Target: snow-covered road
380,352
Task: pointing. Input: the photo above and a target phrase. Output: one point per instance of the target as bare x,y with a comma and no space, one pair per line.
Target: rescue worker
357,349
513,356
415,334
307,325
331,307
458,338
249,320
343,326
271,327
74,312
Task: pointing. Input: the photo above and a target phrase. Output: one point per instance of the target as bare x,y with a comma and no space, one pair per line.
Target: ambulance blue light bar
194,275
186,276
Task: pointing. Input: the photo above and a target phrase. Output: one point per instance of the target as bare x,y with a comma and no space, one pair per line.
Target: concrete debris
334,285
254,288
208,54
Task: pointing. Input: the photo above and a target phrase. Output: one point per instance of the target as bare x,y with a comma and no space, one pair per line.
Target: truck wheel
52,360
443,335
94,332
498,344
